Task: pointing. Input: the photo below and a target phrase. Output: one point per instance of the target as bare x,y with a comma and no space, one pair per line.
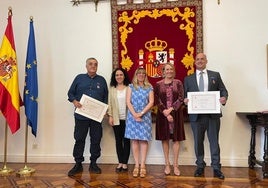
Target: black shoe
124,169
199,172
94,168
76,169
118,169
218,174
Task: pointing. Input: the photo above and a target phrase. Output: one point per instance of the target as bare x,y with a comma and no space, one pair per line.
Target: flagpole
25,170
5,171
10,108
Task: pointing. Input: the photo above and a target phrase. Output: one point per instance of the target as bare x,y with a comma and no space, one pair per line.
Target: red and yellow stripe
10,100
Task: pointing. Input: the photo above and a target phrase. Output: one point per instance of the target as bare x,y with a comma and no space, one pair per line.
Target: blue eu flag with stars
30,94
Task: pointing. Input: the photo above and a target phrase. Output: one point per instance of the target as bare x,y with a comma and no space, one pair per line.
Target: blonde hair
135,79
172,66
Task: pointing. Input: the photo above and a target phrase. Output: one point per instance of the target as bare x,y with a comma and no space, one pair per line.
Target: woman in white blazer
117,115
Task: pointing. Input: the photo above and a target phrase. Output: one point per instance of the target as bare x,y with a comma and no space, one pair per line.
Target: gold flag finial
9,11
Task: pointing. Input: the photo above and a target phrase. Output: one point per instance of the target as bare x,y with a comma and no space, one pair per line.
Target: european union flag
30,93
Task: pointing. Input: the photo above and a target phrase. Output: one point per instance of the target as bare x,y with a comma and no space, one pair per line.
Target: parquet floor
55,176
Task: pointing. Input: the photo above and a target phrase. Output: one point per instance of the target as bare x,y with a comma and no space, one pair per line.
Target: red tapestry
151,34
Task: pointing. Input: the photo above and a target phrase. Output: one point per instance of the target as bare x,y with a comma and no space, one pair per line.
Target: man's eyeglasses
93,64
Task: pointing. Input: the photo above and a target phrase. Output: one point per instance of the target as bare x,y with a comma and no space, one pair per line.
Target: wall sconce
77,2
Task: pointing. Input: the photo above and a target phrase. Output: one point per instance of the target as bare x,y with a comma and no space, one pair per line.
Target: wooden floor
55,175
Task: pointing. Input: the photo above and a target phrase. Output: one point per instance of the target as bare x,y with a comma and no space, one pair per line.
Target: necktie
201,81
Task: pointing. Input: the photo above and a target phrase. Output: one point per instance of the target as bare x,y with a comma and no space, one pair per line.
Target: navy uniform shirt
95,87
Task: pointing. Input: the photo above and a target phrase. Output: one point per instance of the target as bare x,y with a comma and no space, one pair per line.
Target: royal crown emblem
155,57
155,45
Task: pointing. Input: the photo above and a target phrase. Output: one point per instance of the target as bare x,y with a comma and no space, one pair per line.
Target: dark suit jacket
215,83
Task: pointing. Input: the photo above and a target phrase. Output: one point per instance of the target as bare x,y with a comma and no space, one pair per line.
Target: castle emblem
155,57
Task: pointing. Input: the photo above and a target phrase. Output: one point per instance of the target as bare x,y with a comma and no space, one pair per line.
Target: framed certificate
92,108
204,102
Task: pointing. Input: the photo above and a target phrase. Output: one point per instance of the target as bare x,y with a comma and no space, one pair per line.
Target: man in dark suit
209,123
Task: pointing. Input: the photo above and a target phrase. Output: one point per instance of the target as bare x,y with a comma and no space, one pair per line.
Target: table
257,119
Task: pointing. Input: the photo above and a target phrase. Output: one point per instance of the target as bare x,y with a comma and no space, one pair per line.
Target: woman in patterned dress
140,99
169,95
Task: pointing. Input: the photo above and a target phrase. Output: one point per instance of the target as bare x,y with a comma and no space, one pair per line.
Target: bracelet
142,112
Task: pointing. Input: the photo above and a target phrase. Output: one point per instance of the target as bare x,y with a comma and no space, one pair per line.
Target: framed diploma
204,102
92,108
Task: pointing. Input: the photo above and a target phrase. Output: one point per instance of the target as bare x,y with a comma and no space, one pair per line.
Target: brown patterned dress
169,95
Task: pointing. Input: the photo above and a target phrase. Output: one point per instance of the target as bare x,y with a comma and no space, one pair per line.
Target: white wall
235,38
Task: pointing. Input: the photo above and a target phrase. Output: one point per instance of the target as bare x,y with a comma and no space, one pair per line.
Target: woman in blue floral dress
140,99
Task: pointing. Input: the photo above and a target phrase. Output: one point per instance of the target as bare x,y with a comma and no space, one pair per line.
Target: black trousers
122,144
82,128
212,126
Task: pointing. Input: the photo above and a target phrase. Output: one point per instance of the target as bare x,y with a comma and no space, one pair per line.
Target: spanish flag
10,100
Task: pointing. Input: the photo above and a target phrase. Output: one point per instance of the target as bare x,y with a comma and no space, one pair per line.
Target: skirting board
241,162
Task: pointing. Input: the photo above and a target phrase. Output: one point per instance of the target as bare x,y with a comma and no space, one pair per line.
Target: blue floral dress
139,130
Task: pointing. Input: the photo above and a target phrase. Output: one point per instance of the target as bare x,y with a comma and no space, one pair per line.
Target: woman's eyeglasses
143,73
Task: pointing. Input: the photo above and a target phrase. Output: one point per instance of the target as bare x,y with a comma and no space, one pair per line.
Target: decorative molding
77,2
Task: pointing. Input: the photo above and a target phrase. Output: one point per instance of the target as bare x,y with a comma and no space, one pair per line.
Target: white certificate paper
207,102
92,108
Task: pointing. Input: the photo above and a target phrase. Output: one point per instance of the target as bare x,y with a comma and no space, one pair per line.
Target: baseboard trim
112,160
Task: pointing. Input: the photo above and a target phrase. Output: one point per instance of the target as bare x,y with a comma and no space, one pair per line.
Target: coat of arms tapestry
149,34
